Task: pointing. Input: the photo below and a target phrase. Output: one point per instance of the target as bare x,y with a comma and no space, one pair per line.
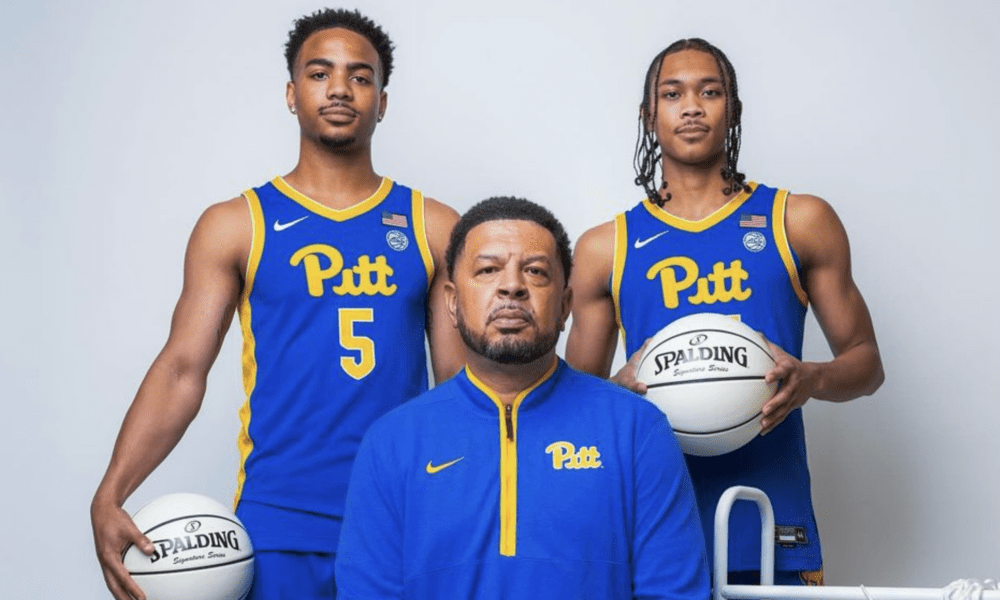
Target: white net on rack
967,589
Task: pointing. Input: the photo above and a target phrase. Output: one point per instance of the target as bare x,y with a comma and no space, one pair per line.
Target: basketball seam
186,569
737,426
162,523
706,380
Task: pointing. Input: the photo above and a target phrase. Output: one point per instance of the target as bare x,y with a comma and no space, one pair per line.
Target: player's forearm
854,373
591,351
167,402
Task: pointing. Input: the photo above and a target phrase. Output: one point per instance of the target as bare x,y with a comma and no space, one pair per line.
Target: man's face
509,298
690,100
336,88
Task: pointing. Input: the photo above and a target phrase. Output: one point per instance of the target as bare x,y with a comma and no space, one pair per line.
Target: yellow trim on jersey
784,246
333,213
420,233
508,459
244,442
702,224
618,270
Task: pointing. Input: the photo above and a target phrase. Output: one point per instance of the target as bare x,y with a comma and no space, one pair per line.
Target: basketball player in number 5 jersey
336,274
705,240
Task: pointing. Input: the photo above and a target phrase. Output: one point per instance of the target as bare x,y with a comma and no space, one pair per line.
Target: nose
692,106
512,284
337,86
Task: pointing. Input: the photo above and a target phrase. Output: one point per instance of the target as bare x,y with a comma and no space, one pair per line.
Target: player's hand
797,382
113,532
625,377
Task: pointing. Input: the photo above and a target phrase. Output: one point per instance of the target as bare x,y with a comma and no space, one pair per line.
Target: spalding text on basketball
728,354
566,456
188,543
723,284
322,263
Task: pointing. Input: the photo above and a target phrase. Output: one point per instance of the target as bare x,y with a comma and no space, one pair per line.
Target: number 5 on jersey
360,366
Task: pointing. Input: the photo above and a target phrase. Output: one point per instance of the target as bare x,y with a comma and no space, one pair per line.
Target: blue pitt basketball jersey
333,315
737,261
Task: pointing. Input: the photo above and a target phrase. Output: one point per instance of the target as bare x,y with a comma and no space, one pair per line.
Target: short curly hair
507,208
328,18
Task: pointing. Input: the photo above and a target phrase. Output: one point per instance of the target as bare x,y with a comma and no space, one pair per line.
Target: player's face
690,100
509,298
336,89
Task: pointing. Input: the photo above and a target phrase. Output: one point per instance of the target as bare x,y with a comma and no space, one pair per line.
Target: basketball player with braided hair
336,272
707,240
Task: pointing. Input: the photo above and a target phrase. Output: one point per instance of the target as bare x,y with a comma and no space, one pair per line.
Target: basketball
706,373
201,550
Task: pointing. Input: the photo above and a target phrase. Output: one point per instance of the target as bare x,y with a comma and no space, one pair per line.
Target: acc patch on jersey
397,240
754,241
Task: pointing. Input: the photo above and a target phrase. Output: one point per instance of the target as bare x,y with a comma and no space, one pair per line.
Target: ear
383,103
451,302
290,95
567,306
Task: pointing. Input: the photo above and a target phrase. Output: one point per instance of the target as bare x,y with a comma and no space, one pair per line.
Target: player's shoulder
440,216
226,211
435,211
599,238
808,208
814,228
593,256
226,221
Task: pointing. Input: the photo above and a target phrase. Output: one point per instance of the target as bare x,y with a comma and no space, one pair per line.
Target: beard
337,143
508,351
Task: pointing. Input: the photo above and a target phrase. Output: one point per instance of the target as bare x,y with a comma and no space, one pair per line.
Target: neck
507,381
337,178
695,190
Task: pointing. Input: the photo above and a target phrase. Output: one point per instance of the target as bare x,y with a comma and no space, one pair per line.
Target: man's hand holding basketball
113,532
797,381
625,376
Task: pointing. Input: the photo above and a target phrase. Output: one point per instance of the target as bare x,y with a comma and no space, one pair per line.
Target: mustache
338,104
508,308
692,125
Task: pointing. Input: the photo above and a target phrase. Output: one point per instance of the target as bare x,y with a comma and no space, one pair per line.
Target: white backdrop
123,120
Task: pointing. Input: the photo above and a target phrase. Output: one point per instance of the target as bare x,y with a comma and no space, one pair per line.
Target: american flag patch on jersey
753,221
393,220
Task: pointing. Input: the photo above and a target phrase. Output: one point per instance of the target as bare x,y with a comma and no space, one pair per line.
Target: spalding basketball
201,550
706,372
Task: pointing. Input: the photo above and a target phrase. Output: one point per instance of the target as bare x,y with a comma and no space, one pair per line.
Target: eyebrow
354,66
540,257
702,80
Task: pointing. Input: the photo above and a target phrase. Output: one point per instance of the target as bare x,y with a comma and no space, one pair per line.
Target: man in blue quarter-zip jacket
520,477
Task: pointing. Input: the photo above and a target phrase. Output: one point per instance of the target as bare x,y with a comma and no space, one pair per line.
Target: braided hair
647,150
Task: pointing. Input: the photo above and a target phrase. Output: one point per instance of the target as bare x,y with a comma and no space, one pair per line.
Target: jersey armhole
249,355
618,269
420,232
785,247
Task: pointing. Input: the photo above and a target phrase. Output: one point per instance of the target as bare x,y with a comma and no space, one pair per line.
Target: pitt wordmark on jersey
333,316
736,261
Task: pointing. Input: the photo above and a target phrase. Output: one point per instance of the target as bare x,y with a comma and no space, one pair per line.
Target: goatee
508,351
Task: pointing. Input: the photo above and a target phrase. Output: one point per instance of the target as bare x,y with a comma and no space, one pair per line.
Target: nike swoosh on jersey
283,226
434,469
640,243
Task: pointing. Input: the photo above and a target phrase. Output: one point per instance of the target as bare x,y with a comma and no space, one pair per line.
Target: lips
692,128
510,315
338,110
